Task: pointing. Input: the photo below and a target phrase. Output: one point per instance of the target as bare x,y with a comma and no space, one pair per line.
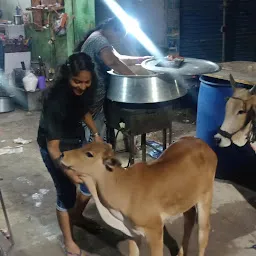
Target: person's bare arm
92,126
130,60
90,123
53,147
112,61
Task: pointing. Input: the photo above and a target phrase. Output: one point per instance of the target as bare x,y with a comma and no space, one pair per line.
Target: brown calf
139,199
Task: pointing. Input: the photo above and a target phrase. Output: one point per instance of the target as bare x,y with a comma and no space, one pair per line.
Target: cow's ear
111,163
232,82
253,90
251,103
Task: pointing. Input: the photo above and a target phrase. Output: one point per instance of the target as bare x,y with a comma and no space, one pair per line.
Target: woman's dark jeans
66,190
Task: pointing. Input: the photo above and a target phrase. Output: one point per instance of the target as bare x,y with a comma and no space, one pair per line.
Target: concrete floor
30,200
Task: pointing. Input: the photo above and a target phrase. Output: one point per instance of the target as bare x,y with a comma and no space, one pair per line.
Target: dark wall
201,35
200,24
241,30
200,28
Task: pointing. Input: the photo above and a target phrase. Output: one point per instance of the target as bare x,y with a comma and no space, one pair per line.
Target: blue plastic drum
212,98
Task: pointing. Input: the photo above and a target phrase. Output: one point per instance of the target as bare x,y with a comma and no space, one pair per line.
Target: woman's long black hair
75,63
113,23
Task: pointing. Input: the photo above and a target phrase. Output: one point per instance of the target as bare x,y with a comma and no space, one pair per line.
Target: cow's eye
240,112
89,154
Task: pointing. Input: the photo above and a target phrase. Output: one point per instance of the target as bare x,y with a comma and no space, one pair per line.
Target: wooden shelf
46,9
39,15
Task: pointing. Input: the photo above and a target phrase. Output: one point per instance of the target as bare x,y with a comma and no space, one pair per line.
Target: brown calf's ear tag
111,163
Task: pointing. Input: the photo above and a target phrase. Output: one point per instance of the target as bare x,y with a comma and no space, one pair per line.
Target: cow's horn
253,90
232,81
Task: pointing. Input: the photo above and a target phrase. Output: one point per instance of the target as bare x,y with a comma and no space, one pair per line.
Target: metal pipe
73,21
6,220
143,147
223,30
132,153
164,138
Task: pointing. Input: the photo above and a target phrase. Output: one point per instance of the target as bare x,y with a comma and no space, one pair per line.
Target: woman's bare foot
72,249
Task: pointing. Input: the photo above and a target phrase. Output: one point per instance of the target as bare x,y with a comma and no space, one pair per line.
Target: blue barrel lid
215,82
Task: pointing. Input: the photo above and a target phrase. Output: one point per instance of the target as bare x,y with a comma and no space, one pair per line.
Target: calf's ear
252,103
111,163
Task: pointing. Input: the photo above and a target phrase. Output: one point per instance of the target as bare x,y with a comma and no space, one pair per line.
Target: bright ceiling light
132,26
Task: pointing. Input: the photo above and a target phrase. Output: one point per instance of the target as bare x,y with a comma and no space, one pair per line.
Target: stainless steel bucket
6,104
17,19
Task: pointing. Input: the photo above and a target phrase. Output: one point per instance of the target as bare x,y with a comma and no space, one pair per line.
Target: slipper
82,253
5,234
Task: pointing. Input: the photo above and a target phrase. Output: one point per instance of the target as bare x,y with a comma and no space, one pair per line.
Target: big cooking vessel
145,87
6,100
6,104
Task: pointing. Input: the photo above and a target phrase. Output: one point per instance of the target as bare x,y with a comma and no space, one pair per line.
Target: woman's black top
61,119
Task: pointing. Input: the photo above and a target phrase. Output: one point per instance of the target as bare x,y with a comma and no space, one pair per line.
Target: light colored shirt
92,46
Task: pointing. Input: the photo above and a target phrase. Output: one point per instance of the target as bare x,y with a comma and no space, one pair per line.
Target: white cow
239,125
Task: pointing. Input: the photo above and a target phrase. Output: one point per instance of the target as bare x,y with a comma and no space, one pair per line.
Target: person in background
65,105
98,45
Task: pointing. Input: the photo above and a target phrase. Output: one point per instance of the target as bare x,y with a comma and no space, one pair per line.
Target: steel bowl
6,104
146,87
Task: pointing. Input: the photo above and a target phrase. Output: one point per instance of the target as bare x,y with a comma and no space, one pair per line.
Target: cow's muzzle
217,141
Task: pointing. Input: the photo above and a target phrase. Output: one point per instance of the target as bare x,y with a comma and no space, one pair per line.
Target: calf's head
91,159
240,118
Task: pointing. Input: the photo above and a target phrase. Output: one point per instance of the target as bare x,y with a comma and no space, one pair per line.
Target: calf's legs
189,221
155,240
204,209
133,248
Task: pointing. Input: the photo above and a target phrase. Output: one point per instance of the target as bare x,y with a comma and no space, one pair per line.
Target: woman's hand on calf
97,138
73,176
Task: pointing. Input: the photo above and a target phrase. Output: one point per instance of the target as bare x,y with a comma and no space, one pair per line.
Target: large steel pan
145,87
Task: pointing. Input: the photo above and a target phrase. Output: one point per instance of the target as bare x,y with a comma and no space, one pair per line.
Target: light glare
133,27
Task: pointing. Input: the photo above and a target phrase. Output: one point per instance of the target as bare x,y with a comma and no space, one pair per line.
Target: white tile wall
13,60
